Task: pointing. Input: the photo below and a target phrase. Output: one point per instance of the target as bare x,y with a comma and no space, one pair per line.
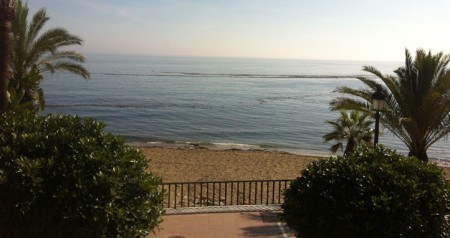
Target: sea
217,103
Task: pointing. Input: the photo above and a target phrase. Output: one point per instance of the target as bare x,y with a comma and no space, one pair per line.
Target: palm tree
417,108
353,127
34,53
6,15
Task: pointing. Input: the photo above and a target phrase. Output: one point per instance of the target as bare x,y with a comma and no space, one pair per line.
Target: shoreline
227,146
247,147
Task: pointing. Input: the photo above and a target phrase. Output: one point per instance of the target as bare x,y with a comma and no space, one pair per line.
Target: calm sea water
216,102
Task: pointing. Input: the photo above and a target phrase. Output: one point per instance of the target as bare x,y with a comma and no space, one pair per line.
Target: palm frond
72,68
350,126
344,103
417,105
53,39
36,50
67,55
36,24
334,148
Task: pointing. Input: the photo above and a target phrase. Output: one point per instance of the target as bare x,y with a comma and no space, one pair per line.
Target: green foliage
34,52
368,193
351,126
62,176
417,108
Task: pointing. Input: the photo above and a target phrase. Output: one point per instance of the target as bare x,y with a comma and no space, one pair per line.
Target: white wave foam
235,145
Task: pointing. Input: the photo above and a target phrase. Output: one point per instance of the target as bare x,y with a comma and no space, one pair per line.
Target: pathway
227,224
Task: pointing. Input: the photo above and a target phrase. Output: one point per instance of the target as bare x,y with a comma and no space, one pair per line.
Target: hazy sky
304,29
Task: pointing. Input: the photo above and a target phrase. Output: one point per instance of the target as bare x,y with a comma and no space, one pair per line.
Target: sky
375,30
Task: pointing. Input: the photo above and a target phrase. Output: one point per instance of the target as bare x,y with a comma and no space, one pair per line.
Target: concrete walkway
265,223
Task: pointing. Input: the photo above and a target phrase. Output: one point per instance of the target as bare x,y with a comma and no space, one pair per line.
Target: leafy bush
62,176
369,193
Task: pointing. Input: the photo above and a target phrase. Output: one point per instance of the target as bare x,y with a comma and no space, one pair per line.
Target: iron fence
224,193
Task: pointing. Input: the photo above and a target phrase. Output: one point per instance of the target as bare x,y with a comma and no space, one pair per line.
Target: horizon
235,57
351,30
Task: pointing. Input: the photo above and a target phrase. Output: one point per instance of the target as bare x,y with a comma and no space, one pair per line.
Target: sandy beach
199,164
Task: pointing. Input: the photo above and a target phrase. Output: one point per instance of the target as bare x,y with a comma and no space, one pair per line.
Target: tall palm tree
351,126
417,108
35,52
6,15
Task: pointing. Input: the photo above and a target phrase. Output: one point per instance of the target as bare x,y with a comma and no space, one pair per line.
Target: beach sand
199,164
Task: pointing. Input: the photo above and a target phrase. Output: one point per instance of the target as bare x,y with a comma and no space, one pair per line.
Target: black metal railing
224,193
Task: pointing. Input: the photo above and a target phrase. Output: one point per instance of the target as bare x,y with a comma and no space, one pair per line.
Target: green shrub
62,176
369,193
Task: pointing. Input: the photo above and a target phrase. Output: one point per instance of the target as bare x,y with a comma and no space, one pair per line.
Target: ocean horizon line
239,75
145,55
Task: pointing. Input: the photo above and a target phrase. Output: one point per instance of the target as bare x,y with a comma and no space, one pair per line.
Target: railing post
201,194
237,194
182,195
195,194
261,193
232,192
279,191
243,193
256,191
207,193
226,190
188,194
249,192
214,194
273,192
220,191
170,192
175,197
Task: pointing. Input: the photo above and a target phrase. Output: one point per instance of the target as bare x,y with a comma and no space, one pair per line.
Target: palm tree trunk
350,147
6,14
420,154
